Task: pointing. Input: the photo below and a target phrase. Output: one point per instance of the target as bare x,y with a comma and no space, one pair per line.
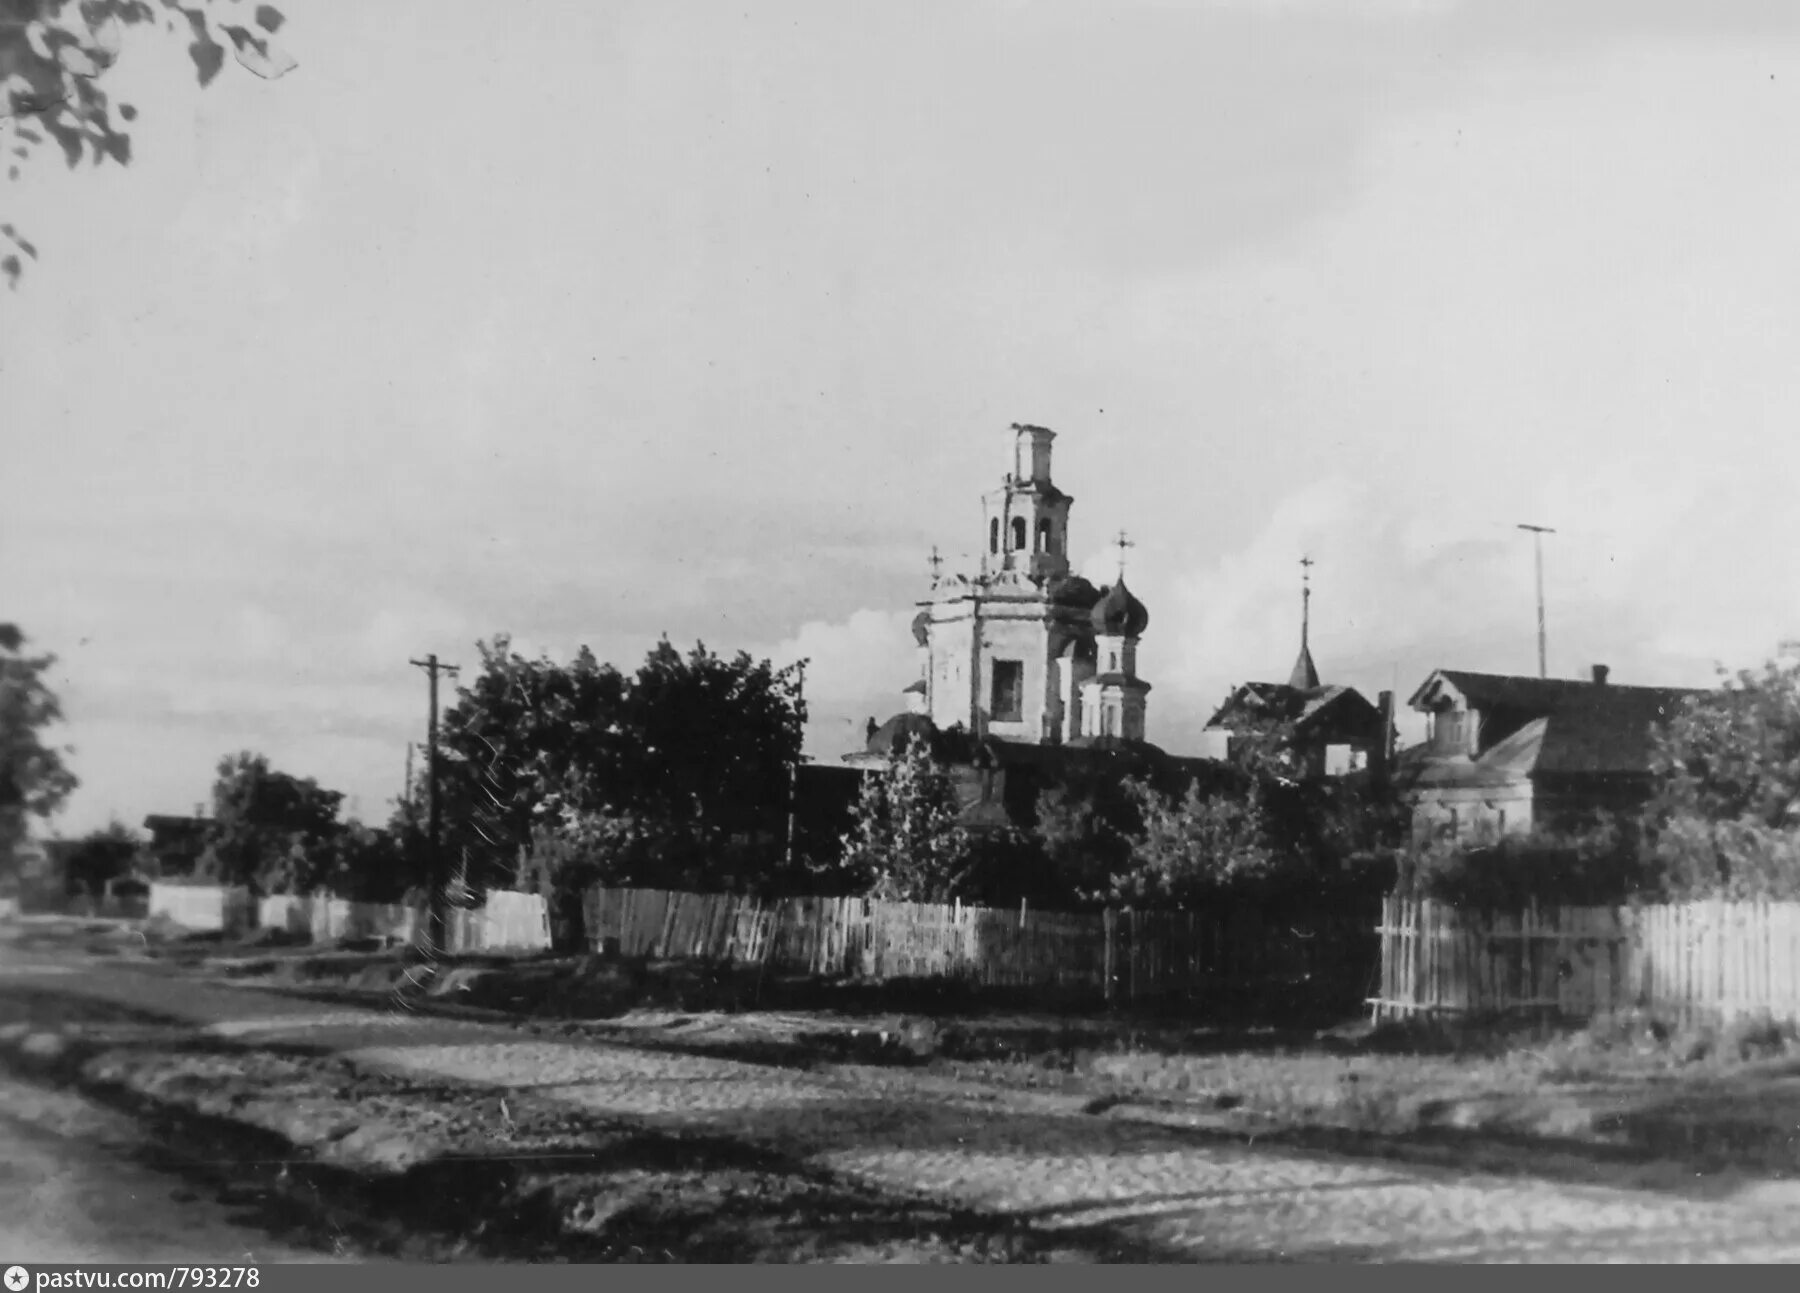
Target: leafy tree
1085,828
1599,865
34,782
716,742
906,843
1344,835
526,738
54,55
678,775
1734,754
1200,846
1724,820
271,831
101,857
362,863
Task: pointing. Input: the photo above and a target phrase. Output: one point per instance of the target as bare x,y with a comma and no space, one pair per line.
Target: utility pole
434,861
1537,541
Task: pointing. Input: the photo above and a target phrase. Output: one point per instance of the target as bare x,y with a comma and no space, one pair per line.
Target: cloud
857,668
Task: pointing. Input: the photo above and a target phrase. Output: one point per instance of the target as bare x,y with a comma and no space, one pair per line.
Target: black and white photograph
987,632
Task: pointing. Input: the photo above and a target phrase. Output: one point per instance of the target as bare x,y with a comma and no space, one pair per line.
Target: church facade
1023,650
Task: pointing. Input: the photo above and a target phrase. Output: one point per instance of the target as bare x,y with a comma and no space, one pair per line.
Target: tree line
555,776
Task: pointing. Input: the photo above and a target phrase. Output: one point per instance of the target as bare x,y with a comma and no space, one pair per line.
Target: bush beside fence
1718,960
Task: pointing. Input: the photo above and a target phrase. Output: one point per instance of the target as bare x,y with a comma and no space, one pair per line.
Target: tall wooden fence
1701,959
1114,954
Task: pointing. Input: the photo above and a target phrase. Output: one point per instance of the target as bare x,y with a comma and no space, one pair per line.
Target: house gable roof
1303,707
1570,728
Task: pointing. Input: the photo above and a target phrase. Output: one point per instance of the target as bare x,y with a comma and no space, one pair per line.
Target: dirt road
1170,1194
76,1186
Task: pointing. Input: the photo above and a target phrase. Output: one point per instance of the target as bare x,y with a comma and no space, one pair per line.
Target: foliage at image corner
54,56
35,780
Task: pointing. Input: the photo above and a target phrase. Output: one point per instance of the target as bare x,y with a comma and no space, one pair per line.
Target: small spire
937,566
1305,676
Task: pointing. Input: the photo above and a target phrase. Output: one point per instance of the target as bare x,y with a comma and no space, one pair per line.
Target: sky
593,322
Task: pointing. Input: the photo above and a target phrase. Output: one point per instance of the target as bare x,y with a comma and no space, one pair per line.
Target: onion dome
1073,590
1119,614
893,736
921,627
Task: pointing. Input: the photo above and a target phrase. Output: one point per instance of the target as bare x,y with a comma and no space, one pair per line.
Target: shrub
1746,858
1598,866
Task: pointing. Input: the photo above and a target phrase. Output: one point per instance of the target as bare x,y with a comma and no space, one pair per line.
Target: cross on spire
1122,543
937,566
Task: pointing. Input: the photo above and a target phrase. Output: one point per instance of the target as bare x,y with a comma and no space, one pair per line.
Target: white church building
1024,651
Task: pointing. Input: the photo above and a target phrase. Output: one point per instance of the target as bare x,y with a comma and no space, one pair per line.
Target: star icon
17,1277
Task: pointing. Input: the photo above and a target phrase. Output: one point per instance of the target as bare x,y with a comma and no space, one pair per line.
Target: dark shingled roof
1568,728
1542,695
1284,703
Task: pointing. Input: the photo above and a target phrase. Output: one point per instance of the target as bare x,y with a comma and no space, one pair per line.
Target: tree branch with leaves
54,57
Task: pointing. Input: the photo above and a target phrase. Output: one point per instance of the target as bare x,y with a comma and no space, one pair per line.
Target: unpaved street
75,1186
1165,1192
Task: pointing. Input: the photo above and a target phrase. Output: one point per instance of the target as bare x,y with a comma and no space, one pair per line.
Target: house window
1448,730
994,535
1018,533
1009,691
1044,535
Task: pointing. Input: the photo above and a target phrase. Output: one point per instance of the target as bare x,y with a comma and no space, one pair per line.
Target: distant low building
176,843
1505,754
1314,729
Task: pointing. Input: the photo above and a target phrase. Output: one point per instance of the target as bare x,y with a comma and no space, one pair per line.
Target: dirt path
75,1187
1170,1193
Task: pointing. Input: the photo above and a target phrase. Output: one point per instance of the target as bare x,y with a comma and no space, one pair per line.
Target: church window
1044,535
1018,533
994,535
1009,691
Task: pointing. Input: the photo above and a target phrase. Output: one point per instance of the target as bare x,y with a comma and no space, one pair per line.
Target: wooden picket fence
1688,960
1123,955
